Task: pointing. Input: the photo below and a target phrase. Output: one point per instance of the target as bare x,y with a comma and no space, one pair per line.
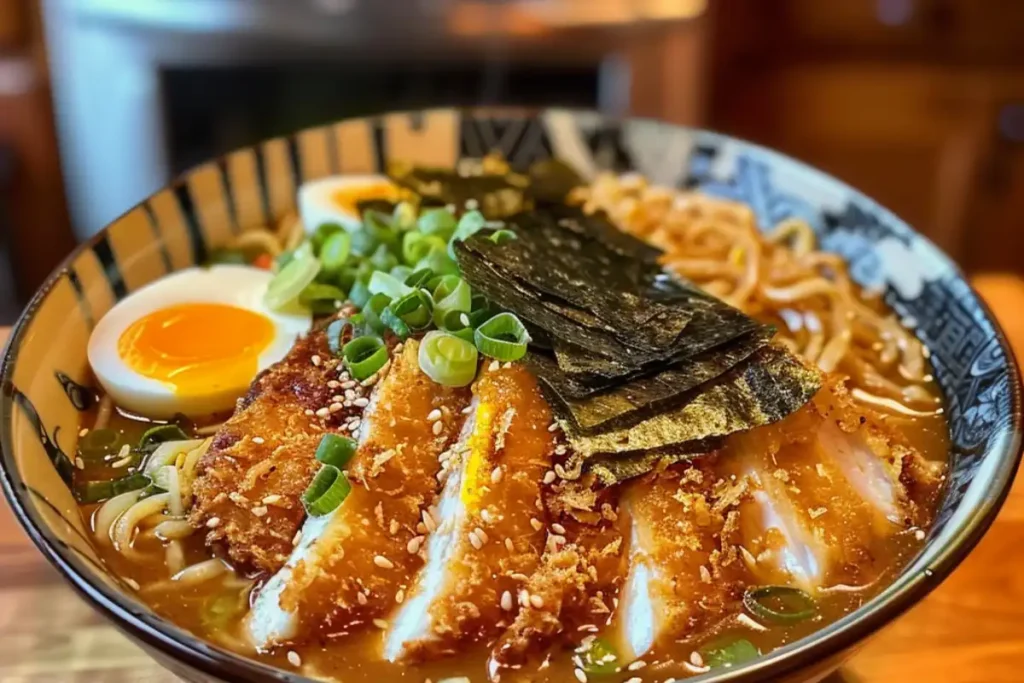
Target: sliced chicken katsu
825,488
489,533
248,486
684,572
583,566
352,566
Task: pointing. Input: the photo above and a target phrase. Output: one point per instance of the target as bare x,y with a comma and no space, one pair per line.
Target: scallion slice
600,658
326,492
447,359
400,273
383,259
419,277
728,651
779,604
503,338
335,251
359,294
364,356
98,491
411,312
290,281
373,310
502,236
471,223
322,299
438,222
452,295
322,234
155,436
335,333
385,283
335,450
416,246
98,443
403,217
439,262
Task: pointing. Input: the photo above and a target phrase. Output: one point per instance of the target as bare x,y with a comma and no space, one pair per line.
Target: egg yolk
349,198
197,348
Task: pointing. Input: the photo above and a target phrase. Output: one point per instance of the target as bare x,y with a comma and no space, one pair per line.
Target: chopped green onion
502,236
154,436
383,259
98,491
438,222
326,492
98,443
411,312
221,609
471,223
322,234
335,251
335,450
373,310
419,278
400,272
728,651
452,295
465,334
385,283
228,257
779,604
290,281
447,359
416,246
439,262
335,333
359,294
321,298
503,338
364,356
403,217
600,658
283,259
378,226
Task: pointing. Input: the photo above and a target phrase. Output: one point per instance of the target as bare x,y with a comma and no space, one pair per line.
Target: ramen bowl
47,384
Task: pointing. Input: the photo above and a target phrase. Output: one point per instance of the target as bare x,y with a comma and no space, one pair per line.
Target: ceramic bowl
47,383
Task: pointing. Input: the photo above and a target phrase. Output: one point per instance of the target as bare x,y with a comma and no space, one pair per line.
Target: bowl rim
176,643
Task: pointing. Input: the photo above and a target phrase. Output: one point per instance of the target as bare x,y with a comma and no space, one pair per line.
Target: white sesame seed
536,601
560,449
475,541
635,679
132,583
637,665
309,412
333,384
84,431
316,360
79,463
494,366
361,402
335,407
383,562
428,521
507,365
434,415
508,544
580,675
323,412
354,424
549,476
481,534
259,510
437,428
496,474
536,524
400,596
382,624
272,498
696,658
296,538
122,462
553,426
413,546
257,440
506,601
485,515
524,598
361,598
347,384
294,659
558,528
919,534
213,522
393,527
467,410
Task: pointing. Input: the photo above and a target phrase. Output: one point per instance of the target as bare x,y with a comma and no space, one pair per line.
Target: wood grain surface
971,629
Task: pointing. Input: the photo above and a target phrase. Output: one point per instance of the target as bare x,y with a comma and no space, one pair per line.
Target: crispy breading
266,449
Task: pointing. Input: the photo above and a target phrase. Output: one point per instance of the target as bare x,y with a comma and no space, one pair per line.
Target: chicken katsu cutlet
248,486
353,565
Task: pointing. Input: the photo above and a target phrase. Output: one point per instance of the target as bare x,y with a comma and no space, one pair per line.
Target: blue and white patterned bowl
46,381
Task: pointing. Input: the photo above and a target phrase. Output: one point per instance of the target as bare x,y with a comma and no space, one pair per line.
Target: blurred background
919,103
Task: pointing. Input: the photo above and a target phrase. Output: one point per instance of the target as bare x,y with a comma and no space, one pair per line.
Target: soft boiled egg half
191,342
336,199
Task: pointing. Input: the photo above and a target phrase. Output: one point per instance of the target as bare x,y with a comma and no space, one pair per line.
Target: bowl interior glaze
47,384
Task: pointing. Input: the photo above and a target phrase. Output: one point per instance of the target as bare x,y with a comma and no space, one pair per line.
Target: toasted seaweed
613,469
496,196
765,388
631,402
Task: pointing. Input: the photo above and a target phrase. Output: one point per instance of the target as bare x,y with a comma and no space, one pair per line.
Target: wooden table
969,630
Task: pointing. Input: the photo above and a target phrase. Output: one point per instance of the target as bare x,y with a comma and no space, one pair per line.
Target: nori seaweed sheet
630,402
497,196
611,469
765,388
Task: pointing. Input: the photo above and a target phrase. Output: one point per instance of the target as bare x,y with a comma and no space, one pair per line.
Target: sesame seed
494,366
316,360
295,539
428,521
524,598
919,534
591,628
259,510
637,665
507,365
213,522
272,498
560,449
308,412
553,426
434,415
294,659
132,583
335,407
536,601
635,679
536,524
485,515
381,624
400,596
354,424
84,431
705,575
257,440
413,546
481,534
506,601
333,384
496,475
393,527
323,412
580,675
437,428
467,410
347,384
361,598
79,463
475,541
549,476
383,562
122,462
558,528
696,658
361,402
508,544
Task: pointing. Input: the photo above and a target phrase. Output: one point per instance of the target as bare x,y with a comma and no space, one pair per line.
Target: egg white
239,286
316,205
